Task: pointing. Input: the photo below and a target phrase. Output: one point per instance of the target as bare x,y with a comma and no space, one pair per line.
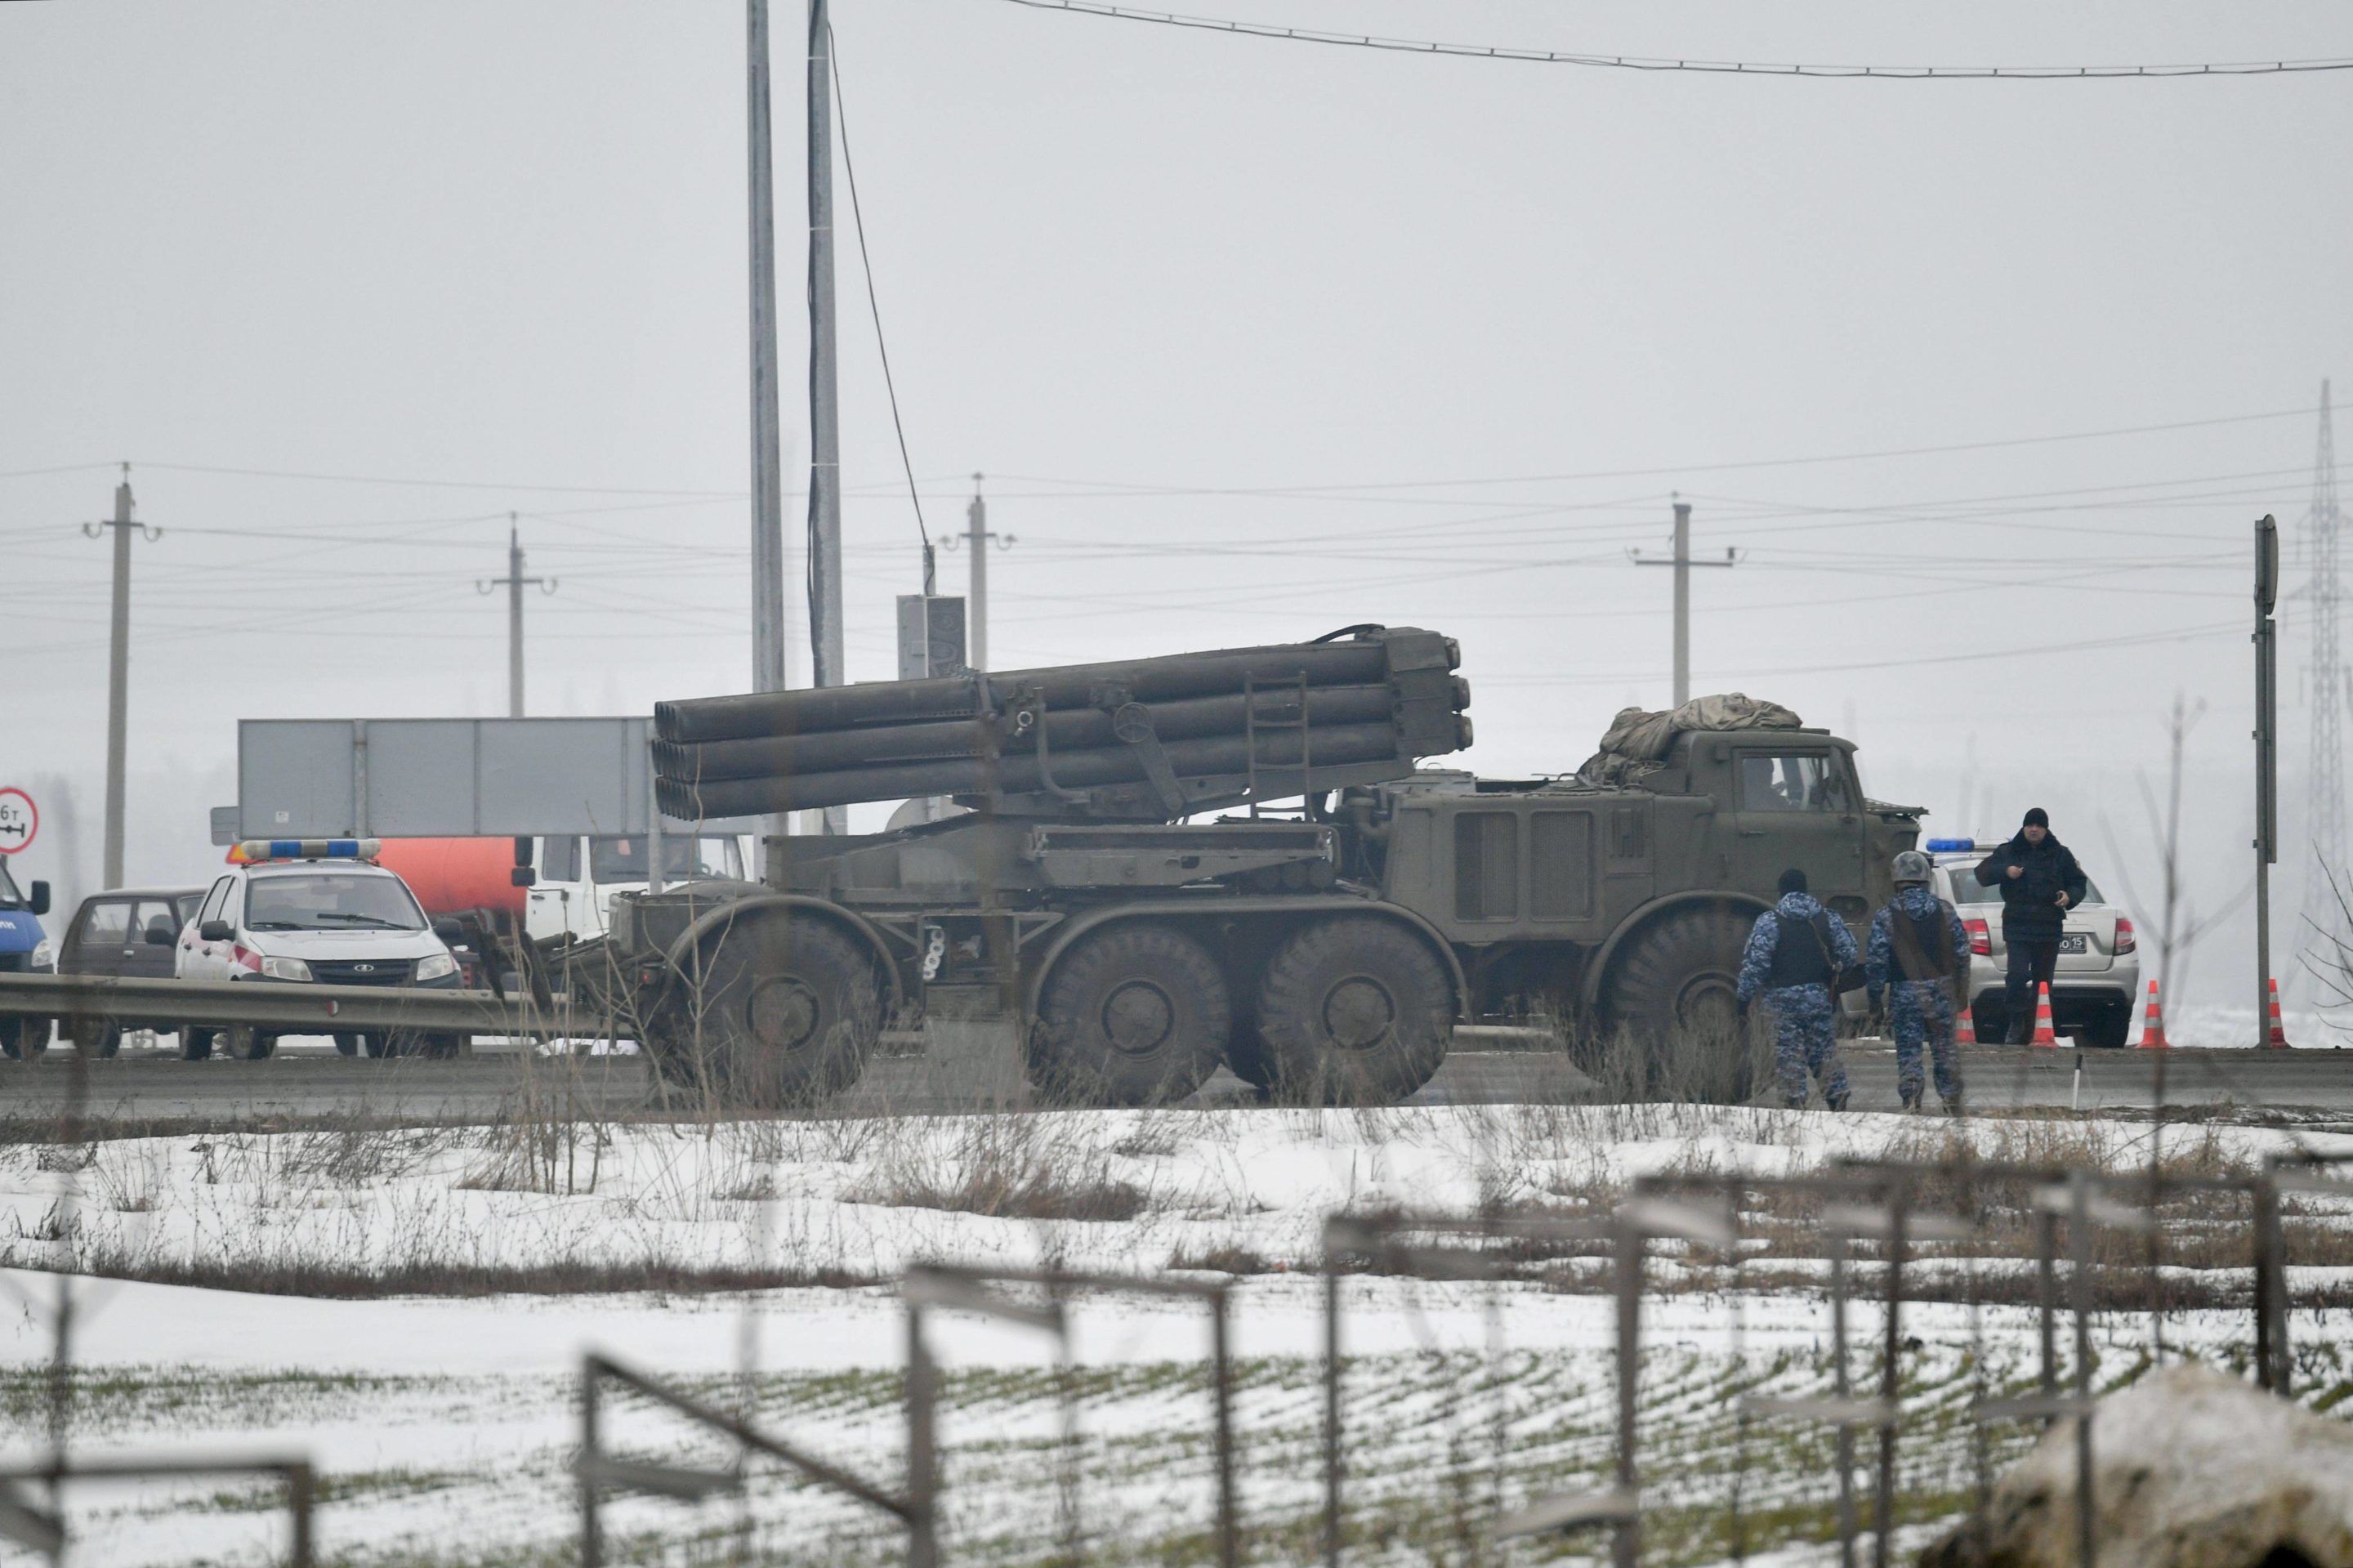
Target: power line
866,262
1652,63
1676,470
431,483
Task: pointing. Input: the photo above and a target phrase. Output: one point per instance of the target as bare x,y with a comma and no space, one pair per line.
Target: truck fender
1597,971
681,951
1190,909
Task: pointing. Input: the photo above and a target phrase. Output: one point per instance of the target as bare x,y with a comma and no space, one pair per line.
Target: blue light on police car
1951,846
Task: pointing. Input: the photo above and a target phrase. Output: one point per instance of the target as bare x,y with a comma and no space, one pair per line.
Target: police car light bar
1951,846
253,851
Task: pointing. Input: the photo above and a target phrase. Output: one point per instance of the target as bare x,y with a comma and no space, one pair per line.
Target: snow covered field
445,1416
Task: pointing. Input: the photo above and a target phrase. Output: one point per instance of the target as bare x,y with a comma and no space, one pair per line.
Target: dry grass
1006,1167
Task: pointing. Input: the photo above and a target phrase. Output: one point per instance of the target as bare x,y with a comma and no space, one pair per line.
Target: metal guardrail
287,1007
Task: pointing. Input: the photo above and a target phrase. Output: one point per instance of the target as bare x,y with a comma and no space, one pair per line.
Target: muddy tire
789,1009
1672,999
1134,1015
195,1045
243,1043
1353,1010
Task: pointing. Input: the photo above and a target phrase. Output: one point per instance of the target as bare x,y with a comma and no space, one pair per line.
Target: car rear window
1968,889
309,903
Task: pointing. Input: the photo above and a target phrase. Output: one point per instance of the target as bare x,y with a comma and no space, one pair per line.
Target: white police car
2098,978
312,910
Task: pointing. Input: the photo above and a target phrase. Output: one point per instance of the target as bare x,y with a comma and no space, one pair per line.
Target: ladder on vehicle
1288,696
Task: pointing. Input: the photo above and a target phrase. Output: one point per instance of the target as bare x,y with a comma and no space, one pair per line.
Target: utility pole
768,657
2266,640
2323,817
825,427
1683,563
118,674
975,539
513,582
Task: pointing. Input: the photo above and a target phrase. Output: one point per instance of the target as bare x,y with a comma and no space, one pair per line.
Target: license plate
2073,942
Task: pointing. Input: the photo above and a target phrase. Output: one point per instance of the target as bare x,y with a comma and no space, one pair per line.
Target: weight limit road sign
20,820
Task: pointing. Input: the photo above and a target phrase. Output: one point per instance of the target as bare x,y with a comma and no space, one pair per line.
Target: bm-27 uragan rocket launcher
1325,954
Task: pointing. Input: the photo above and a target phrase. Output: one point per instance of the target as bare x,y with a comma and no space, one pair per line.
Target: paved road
308,1082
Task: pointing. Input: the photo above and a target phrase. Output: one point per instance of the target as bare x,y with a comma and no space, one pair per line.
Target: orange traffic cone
2152,1024
2043,1034
2276,1037
1965,1027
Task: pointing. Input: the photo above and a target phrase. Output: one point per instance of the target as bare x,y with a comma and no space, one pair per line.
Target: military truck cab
1628,903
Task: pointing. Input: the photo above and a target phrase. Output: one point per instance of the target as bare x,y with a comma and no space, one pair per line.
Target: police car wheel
1354,1011
1134,1016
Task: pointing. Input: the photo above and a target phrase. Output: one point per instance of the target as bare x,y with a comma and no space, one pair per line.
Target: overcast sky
1253,339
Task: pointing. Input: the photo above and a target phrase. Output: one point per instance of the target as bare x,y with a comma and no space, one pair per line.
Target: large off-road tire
21,1039
1672,999
787,1011
1134,1016
197,1044
96,1036
1353,1010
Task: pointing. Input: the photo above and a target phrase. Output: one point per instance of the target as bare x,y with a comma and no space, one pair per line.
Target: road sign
20,820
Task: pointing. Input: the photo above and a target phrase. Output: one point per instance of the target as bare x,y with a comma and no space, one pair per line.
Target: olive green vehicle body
1601,907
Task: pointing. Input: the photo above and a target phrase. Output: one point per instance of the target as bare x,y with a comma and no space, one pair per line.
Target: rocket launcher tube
1367,659
1068,730
1333,746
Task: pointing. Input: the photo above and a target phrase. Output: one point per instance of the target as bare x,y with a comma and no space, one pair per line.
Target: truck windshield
10,899
617,859
306,903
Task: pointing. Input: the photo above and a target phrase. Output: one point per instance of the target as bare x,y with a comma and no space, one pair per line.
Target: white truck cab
576,878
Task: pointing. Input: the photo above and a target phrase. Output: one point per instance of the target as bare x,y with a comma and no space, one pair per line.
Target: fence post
1230,1547
1891,1379
2270,1292
1331,1407
592,1524
922,1486
1631,1243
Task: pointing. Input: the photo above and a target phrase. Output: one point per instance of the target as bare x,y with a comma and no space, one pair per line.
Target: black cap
2036,817
1793,881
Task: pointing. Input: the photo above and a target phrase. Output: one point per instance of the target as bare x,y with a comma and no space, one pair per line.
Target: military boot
1953,1106
1794,1102
1838,1101
1911,1099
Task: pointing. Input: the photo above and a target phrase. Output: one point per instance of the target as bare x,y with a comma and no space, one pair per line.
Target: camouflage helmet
1910,866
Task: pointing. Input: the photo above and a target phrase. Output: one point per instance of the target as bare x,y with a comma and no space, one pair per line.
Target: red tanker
457,876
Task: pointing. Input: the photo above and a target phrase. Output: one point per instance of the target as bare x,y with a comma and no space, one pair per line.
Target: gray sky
1255,339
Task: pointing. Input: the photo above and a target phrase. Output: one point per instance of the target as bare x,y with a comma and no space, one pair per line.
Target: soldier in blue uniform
1793,954
1917,954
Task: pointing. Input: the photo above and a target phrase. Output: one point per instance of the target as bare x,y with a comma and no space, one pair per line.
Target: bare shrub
1007,1166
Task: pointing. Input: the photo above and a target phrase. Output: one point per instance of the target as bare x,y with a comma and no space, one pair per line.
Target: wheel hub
1137,1017
1359,1012
783,1013
1708,1006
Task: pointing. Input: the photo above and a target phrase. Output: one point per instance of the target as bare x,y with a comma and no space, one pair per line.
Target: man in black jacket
2040,882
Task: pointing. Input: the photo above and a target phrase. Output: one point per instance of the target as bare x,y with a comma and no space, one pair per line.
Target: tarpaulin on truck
1638,740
